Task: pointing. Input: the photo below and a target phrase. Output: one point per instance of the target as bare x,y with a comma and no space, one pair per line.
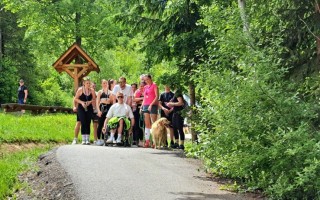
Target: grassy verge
57,128
12,164
23,138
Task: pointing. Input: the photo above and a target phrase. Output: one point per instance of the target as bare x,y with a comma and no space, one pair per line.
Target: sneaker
110,140
83,142
100,143
74,141
87,142
174,146
127,144
95,142
181,147
147,144
118,140
140,144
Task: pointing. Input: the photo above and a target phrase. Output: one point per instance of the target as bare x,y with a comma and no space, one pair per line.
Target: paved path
118,173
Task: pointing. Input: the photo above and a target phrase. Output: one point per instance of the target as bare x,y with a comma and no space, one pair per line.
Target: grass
12,164
56,128
41,132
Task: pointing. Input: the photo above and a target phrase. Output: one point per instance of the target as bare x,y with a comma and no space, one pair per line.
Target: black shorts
95,117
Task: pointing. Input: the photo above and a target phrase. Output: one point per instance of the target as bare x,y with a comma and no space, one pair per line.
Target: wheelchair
126,139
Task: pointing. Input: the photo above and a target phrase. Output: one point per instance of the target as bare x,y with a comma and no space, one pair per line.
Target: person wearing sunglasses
117,120
125,89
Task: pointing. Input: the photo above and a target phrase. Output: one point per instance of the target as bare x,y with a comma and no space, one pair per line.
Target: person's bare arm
135,98
94,97
179,103
104,129
131,125
77,100
98,103
75,104
25,96
156,91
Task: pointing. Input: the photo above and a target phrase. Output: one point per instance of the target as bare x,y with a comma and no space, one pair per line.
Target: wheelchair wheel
126,139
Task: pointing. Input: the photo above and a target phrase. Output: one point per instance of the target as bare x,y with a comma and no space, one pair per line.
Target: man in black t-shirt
22,93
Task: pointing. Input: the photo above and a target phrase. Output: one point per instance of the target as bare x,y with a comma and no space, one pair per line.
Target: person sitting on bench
117,119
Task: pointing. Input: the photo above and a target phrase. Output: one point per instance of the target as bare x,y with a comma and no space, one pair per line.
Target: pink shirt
138,93
149,93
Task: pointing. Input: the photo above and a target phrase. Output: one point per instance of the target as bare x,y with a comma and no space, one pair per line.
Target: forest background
252,66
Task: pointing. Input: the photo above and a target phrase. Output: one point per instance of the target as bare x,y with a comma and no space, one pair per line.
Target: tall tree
15,59
171,32
52,26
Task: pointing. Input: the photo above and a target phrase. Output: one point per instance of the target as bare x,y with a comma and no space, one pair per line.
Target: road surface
118,173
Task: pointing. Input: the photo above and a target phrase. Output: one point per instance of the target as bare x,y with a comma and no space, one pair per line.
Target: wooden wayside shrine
77,63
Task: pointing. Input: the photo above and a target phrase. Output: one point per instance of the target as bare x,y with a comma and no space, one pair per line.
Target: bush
256,128
50,94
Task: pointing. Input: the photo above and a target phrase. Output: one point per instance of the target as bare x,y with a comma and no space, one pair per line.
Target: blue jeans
20,101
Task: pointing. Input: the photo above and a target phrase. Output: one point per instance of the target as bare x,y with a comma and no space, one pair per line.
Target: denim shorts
21,101
154,109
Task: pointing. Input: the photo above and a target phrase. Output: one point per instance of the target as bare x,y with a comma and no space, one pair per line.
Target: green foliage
49,28
259,133
8,83
15,60
170,31
13,164
50,94
46,130
255,125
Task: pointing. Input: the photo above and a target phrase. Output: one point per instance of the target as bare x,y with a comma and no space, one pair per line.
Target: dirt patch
47,181
15,147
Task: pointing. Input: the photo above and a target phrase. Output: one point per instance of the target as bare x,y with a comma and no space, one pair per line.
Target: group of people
134,108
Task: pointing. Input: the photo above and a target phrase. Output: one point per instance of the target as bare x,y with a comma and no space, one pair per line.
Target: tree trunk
1,38
1,45
242,8
317,9
192,94
78,41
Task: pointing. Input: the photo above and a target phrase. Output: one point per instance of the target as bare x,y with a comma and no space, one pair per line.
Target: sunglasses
120,97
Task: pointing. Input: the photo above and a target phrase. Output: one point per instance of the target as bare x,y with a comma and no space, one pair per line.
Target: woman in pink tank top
149,106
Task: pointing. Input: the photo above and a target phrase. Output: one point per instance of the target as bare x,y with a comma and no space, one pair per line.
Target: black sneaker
171,144
126,143
174,146
181,147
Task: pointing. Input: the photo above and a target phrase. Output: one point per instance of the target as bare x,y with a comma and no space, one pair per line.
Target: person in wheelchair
118,119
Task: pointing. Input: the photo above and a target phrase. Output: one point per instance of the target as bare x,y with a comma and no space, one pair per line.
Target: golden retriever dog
159,132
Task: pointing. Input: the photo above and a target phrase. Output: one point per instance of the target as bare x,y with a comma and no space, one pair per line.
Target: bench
35,109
